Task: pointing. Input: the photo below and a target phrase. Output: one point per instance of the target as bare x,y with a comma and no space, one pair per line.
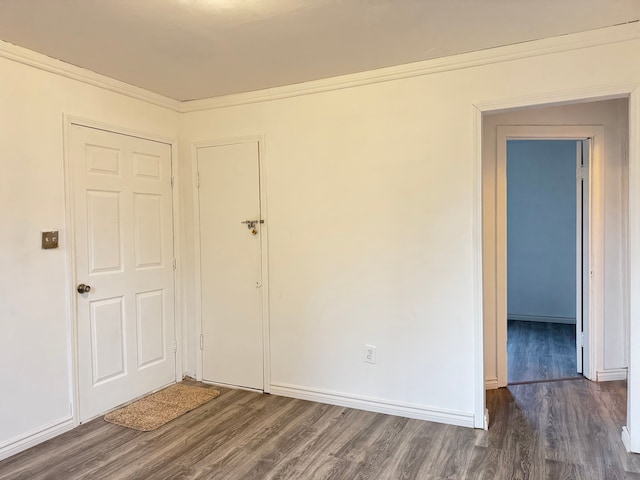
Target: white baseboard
451,417
611,374
491,383
539,318
626,439
35,437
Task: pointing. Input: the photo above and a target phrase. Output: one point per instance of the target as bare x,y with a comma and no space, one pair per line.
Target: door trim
631,432
595,253
69,234
264,245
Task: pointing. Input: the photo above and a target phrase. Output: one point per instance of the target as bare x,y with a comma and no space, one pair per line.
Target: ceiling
192,49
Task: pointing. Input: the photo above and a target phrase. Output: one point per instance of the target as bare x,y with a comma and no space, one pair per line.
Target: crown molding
52,65
575,41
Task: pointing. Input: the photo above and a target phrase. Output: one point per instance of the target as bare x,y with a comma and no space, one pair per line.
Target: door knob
82,288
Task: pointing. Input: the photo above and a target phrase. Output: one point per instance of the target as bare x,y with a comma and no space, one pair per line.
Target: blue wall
541,229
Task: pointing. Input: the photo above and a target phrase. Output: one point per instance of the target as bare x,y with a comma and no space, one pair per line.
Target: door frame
631,431
72,299
264,245
594,321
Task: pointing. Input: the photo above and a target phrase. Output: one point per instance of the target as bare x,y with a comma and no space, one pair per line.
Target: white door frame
264,245
72,297
630,432
594,321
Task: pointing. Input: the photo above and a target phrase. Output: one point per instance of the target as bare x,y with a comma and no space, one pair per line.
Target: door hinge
197,179
175,346
175,264
171,182
580,172
201,341
581,340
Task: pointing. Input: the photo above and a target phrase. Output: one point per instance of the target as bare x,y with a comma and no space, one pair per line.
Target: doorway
591,248
607,351
232,264
547,226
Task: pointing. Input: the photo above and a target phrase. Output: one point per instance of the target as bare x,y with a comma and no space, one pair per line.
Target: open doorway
608,344
607,318
592,251
547,227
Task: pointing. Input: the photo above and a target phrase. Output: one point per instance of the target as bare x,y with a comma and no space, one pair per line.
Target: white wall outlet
370,353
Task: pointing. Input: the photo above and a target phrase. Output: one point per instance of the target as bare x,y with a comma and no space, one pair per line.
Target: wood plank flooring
540,351
555,431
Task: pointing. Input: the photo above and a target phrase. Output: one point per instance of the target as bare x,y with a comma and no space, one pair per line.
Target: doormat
155,410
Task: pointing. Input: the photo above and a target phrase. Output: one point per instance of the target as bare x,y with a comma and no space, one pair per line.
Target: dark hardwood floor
540,351
559,430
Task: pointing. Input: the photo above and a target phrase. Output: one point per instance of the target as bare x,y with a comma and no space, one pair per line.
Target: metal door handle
251,224
82,288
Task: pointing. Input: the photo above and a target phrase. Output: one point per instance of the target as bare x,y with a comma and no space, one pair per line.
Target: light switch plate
50,239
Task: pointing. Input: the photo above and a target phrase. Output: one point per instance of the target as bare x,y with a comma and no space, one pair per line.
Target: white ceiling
192,49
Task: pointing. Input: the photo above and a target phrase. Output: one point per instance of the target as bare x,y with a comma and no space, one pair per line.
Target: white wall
541,230
346,206
613,114
370,217
34,321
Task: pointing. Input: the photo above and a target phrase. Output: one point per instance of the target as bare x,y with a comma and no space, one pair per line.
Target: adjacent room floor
540,351
554,430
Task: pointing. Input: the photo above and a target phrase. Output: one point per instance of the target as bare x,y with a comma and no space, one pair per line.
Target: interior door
582,249
124,267
231,264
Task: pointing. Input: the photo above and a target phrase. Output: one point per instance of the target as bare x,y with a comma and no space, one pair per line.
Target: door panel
151,335
104,242
124,250
231,274
147,211
107,339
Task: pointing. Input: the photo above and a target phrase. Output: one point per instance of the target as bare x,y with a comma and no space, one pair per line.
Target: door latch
251,225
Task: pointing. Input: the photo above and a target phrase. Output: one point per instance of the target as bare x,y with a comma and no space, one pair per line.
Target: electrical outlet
370,353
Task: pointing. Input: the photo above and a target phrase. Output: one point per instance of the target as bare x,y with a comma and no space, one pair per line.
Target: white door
231,259
124,252
583,152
